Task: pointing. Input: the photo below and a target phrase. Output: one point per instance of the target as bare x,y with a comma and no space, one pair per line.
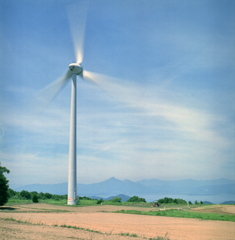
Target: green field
183,214
169,207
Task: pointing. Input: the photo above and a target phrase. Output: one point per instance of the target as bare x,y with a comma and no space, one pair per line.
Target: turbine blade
90,77
121,90
77,15
48,93
107,83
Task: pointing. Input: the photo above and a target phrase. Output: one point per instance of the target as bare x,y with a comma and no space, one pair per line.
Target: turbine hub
75,68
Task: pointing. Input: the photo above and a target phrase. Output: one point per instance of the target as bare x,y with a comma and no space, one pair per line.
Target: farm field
45,221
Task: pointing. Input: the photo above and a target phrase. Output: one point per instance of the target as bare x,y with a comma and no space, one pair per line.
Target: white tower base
72,171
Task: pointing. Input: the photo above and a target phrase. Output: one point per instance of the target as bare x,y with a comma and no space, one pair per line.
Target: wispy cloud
188,121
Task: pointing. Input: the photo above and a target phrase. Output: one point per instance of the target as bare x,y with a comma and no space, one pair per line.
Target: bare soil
42,221
219,209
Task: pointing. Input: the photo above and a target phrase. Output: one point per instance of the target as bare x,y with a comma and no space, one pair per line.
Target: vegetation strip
20,221
128,234
183,214
79,228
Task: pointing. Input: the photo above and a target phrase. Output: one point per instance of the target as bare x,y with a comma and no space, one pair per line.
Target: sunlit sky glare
166,112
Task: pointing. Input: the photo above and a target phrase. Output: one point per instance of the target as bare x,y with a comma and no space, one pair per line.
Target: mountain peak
113,179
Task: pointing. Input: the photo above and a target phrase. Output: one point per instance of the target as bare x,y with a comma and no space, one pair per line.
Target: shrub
99,201
35,198
116,199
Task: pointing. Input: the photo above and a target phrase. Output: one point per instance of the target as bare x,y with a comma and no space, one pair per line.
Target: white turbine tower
75,70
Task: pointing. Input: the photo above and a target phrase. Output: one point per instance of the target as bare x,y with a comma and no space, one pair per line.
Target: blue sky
167,112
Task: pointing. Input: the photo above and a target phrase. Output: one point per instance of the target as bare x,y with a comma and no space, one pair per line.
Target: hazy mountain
123,197
113,187
228,202
60,188
208,203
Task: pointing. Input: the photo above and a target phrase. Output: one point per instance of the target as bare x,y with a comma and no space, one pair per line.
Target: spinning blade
48,93
106,82
77,21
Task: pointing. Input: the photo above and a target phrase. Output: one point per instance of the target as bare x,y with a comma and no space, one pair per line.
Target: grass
87,202
82,202
183,214
161,238
128,234
12,201
80,228
92,202
13,220
20,221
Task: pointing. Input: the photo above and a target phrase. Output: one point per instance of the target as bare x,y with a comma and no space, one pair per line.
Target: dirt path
109,224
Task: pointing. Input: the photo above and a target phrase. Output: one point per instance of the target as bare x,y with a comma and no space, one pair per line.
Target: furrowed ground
46,221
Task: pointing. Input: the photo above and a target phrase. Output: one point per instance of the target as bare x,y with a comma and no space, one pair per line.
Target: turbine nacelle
75,68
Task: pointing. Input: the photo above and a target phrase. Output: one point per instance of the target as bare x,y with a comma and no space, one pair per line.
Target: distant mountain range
228,202
123,197
114,187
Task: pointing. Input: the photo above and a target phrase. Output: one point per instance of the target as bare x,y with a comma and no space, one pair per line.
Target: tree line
34,196
176,201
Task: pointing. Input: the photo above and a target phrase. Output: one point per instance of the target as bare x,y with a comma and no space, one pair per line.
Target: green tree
171,200
99,201
3,186
136,199
48,195
35,198
166,200
179,201
25,194
11,193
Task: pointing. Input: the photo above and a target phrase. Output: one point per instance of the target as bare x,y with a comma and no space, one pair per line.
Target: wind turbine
75,70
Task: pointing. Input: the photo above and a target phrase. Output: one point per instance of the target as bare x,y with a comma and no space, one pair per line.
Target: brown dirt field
220,209
99,218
